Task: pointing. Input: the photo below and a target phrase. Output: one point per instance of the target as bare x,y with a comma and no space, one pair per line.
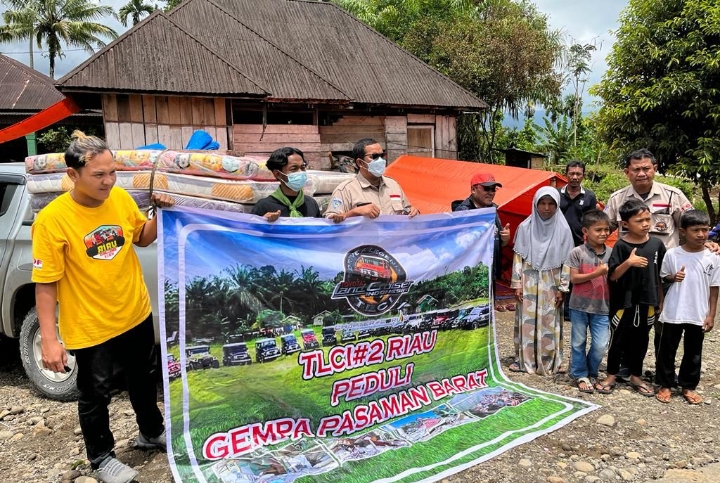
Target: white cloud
467,238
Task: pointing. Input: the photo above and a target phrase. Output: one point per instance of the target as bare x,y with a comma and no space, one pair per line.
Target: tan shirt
666,205
388,196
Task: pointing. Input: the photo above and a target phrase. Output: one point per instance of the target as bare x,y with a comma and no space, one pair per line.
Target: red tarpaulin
432,184
41,120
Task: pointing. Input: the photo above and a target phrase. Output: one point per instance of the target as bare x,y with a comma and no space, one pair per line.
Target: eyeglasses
375,156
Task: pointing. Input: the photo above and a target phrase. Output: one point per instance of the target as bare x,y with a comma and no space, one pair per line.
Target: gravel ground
632,438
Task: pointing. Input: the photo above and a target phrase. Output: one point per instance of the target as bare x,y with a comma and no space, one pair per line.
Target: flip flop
604,388
643,389
588,385
500,308
515,367
692,397
510,307
664,395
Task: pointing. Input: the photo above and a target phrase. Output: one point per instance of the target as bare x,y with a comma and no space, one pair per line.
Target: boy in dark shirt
635,296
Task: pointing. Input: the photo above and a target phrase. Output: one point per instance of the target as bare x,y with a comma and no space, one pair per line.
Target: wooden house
262,74
520,158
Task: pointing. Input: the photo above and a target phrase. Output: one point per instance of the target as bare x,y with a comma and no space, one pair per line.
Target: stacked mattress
196,179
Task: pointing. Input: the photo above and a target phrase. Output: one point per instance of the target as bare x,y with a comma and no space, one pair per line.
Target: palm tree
55,22
22,27
135,9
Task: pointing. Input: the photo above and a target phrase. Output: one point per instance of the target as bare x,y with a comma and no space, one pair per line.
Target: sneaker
158,442
113,471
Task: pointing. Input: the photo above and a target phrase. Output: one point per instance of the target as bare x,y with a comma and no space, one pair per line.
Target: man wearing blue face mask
288,166
370,193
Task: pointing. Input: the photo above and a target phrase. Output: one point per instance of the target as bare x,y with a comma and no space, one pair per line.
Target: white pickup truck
18,316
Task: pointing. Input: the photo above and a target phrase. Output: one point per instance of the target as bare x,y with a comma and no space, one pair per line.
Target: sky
191,240
585,21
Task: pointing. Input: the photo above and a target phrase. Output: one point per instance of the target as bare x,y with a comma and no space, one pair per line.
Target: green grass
229,397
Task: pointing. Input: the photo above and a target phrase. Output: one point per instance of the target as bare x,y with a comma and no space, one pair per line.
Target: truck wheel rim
48,374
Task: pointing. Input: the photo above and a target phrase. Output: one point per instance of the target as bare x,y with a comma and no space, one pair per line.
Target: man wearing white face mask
288,166
370,193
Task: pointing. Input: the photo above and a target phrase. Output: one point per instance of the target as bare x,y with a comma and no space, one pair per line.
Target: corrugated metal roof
278,73
292,50
25,88
159,56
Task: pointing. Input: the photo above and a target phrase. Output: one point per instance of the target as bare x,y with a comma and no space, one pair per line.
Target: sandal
692,397
510,307
643,389
515,367
604,388
500,308
663,395
584,385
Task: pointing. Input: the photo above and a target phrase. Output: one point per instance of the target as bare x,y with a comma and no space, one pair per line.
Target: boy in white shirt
689,307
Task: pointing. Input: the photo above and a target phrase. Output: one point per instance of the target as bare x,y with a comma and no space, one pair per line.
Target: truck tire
57,386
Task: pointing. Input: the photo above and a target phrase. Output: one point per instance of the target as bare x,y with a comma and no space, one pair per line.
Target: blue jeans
585,363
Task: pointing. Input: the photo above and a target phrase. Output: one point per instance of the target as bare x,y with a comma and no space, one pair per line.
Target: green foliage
245,297
57,139
170,4
463,285
268,318
135,9
57,22
661,90
503,51
54,140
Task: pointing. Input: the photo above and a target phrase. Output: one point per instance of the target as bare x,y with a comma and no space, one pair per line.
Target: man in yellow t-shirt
84,260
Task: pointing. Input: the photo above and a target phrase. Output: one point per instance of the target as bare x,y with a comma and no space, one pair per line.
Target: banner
353,352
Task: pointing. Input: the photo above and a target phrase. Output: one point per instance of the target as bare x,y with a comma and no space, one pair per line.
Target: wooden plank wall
348,130
317,142
134,120
249,139
445,137
396,135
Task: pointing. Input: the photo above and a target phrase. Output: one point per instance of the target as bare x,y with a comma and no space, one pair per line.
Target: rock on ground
632,438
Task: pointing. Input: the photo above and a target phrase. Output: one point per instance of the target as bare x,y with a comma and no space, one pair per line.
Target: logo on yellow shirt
104,242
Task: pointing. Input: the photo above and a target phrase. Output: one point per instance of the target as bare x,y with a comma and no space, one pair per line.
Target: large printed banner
354,352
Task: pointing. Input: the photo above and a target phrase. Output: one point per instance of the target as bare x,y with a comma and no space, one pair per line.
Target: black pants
656,340
629,338
134,351
670,335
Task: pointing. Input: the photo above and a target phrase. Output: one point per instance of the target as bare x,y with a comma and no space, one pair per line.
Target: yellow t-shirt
89,252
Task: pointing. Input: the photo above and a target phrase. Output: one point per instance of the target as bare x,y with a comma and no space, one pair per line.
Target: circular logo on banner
374,282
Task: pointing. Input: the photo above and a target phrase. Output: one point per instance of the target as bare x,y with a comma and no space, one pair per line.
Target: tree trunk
32,56
708,202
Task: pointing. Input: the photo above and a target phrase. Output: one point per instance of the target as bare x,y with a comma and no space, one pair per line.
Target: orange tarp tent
432,184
